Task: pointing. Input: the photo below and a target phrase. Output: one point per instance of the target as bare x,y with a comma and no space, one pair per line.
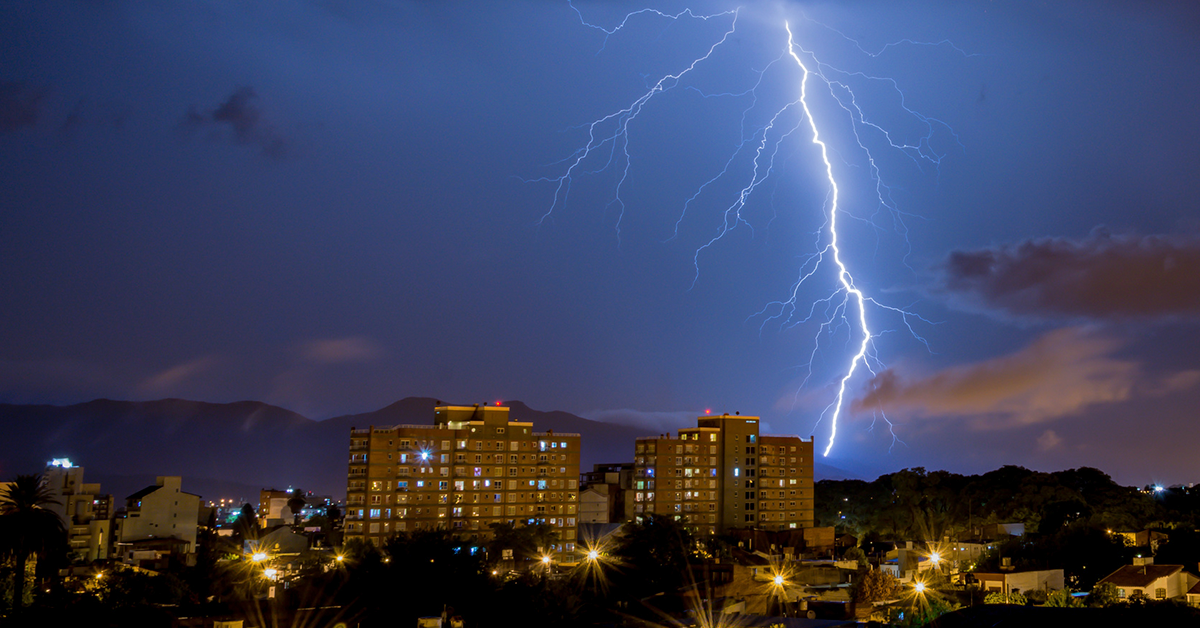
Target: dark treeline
1070,516
914,504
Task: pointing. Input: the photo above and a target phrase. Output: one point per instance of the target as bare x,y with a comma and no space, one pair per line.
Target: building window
1120,593
1160,594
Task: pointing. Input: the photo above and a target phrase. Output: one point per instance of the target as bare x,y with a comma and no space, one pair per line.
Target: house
1019,581
1193,595
1155,582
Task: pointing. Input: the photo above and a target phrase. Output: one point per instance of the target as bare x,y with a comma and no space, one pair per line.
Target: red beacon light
708,411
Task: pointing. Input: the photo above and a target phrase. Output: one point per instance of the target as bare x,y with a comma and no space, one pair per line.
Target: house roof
1140,575
144,492
1195,590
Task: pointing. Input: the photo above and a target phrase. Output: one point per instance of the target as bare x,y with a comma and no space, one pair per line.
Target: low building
1023,582
162,511
1193,595
606,493
1155,582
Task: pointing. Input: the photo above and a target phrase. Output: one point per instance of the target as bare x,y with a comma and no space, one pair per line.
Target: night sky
328,206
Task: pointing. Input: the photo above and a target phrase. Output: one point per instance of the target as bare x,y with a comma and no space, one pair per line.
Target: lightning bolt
843,274
846,304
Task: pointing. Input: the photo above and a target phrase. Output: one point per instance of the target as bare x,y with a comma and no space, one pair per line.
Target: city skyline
336,207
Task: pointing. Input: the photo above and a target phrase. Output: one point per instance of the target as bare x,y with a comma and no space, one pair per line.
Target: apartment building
85,512
722,474
473,467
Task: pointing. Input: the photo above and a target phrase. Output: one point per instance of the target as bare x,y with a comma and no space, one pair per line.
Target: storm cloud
1061,373
1101,277
244,118
20,105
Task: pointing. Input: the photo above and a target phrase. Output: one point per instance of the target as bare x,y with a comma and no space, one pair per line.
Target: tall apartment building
84,511
723,474
473,467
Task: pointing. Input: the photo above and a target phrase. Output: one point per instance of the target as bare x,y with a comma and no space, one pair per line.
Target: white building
162,512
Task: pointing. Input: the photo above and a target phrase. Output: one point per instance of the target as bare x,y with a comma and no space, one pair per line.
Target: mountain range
231,450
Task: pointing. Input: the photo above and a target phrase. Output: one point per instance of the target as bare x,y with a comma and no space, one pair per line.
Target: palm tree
27,526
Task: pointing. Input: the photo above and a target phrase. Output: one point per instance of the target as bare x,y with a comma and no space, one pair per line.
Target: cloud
1101,277
241,115
658,422
169,380
1059,374
20,105
340,350
1048,440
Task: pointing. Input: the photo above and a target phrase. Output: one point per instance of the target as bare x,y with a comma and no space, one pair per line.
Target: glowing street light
546,560
593,555
935,558
258,557
919,587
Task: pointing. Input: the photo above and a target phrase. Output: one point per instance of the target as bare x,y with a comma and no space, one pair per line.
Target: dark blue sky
334,205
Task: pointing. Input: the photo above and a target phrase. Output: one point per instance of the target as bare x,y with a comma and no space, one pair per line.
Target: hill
225,450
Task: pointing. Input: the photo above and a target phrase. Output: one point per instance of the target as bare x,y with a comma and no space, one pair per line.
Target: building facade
606,493
84,511
722,474
158,513
473,467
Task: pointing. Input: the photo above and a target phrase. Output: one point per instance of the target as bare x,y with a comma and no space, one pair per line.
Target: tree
856,554
999,597
1063,599
876,586
1103,594
247,523
655,553
296,503
28,527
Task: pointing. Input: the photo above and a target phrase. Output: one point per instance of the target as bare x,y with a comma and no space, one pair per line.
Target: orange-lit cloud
1059,374
340,350
1101,277
170,380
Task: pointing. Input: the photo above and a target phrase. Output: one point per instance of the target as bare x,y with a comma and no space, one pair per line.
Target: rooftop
1140,575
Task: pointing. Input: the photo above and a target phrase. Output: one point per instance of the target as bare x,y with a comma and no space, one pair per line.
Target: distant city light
64,463
1157,487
